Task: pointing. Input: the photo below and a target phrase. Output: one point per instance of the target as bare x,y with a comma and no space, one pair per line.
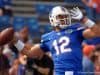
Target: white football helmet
60,17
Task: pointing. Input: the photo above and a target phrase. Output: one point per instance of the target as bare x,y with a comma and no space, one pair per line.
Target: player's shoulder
76,25
46,36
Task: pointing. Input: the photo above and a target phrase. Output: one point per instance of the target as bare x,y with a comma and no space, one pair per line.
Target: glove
76,14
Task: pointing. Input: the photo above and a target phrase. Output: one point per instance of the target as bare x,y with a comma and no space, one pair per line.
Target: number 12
64,42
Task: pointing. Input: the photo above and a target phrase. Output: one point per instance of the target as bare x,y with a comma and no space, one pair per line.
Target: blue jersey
65,47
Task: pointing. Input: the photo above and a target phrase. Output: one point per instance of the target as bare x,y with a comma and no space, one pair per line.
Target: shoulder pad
46,37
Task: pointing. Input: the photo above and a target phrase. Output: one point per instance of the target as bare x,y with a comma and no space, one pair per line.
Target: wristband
19,45
89,23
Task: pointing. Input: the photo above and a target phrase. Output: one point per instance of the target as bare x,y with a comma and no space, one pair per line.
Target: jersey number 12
61,45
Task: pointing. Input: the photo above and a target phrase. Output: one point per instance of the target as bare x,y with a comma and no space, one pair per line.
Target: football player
64,42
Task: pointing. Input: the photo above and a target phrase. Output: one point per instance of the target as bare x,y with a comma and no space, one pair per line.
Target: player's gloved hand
76,14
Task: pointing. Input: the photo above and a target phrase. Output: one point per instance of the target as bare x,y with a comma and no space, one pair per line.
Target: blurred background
34,13
30,20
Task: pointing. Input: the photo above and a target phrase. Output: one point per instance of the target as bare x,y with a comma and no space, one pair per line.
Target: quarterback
64,42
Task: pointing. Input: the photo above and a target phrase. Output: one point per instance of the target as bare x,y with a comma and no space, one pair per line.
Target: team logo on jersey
69,31
58,33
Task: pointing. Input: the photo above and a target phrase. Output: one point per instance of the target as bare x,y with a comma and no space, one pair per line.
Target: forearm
36,51
30,51
95,29
44,71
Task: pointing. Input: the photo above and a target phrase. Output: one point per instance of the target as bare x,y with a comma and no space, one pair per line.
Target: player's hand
76,13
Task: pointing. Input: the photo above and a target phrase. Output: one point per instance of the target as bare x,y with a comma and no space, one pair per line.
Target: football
6,35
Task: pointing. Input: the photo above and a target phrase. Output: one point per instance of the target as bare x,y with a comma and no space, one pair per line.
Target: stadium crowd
13,62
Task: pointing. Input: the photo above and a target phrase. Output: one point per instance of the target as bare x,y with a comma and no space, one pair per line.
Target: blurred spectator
23,61
9,53
96,59
14,68
1,12
4,63
8,7
92,9
88,66
18,67
13,49
1,3
24,35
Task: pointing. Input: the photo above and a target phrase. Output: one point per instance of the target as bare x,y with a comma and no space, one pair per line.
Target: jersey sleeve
43,44
80,30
